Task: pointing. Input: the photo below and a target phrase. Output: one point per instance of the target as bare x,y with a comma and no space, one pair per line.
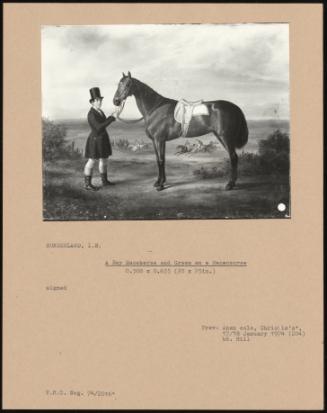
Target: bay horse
225,120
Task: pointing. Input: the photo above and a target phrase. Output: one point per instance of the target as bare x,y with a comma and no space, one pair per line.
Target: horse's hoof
156,184
160,188
229,186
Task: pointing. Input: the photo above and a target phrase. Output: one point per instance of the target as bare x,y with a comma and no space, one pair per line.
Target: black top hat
95,94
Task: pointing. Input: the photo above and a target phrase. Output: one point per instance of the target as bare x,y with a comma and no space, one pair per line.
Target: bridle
121,109
127,121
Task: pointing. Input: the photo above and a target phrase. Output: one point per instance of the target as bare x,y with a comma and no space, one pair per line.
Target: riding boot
88,185
104,180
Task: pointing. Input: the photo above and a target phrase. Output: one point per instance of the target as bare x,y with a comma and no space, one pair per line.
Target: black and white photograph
165,121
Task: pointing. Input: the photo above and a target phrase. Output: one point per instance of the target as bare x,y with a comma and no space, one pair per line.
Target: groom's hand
114,113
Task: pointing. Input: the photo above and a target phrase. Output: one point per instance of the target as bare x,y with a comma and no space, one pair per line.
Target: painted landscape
197,171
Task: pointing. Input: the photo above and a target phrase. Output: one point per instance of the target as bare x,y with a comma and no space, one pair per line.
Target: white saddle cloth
184,111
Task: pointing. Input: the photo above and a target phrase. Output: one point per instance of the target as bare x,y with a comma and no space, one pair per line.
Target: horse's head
125,89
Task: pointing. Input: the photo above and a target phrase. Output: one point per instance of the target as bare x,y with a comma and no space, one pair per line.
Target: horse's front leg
160,147
155,147
157,182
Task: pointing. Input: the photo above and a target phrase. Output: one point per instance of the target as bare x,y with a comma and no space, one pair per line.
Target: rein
127,121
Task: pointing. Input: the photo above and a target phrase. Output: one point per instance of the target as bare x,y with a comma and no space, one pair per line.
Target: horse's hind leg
233,172
162,155
233,160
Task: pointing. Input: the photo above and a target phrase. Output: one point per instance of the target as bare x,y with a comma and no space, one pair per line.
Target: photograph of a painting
165,121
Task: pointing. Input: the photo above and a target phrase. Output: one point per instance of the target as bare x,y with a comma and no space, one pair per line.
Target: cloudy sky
247,64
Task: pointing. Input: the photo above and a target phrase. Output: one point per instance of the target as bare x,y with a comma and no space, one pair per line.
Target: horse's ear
124,74
129,74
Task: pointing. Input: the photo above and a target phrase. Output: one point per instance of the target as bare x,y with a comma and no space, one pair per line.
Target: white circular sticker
281,207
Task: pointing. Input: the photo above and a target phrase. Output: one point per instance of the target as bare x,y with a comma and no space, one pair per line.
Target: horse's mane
149,91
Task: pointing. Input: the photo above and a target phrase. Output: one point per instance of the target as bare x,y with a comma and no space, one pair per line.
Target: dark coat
98,143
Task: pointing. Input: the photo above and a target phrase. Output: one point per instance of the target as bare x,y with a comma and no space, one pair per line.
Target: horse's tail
241,137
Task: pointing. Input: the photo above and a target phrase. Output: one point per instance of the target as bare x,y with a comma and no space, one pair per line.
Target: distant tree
275,142
55,145
274,152
54,139
273,158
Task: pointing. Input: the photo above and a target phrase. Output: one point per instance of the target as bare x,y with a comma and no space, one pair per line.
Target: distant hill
270,123
78,131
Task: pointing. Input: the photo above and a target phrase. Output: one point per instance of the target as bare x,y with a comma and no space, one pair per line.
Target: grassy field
187,195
